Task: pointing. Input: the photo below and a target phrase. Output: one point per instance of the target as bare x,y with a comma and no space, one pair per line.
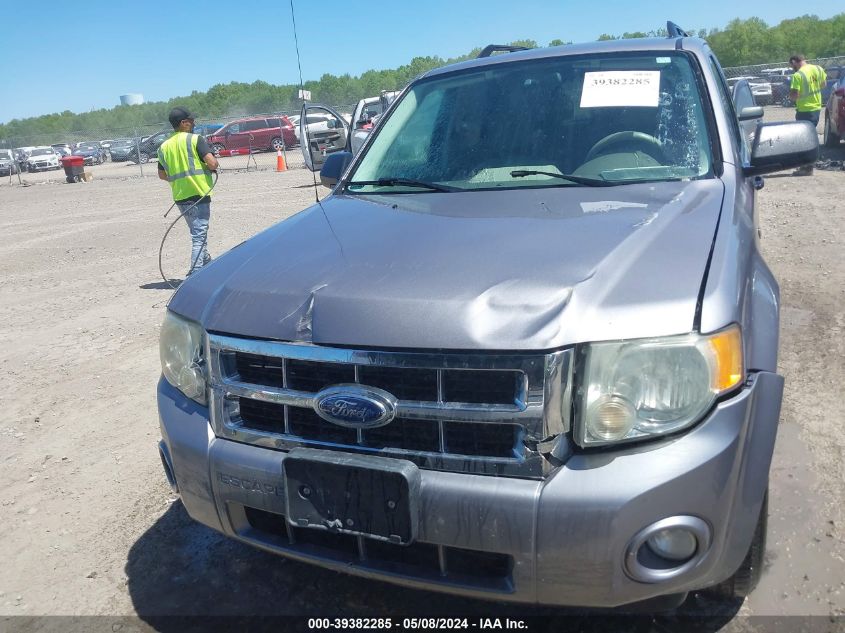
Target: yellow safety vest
808,81
186,172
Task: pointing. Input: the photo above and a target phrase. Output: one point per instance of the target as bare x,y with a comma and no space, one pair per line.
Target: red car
257,133
834,115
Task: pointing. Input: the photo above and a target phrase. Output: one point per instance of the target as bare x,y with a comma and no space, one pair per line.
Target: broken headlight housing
638,389
181,346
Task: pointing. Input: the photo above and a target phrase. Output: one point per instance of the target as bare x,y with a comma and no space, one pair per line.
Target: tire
745,579
216,148
143,157
830,138
276,144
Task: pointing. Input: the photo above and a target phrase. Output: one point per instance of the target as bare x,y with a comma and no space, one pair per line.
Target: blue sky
80,56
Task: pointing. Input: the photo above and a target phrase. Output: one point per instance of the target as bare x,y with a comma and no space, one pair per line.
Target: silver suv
526,350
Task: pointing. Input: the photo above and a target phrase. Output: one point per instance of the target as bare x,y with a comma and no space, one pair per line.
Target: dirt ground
89,525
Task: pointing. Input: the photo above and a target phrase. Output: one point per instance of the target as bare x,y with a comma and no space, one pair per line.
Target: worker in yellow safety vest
805,89
186,161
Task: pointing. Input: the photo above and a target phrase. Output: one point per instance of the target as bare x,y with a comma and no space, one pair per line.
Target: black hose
172,224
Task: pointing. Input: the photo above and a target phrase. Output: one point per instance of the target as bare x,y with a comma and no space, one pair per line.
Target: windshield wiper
408,182
591,182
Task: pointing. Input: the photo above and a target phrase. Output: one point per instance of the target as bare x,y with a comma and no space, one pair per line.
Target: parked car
760,88
834,115
366,114
783,71
64,149
834,75
123,149
316,122
779,79
526,349
91,151
42,159
207,129
257,133
326,134
22,156
8,164
147,148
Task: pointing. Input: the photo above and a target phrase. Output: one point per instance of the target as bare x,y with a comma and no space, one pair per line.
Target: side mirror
779,146
751,112
334,167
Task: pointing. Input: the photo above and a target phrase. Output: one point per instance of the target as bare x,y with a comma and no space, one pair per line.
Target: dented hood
529,269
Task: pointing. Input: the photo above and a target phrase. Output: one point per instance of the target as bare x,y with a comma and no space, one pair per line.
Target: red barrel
73,161
74,167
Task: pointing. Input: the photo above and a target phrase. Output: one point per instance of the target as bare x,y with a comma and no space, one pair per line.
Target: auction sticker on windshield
619,88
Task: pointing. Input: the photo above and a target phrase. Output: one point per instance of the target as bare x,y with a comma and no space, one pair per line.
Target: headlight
182,362
631,390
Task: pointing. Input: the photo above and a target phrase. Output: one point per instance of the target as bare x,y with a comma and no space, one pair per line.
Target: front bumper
566,536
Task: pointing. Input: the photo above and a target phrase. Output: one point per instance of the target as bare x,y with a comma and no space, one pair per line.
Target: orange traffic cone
280,162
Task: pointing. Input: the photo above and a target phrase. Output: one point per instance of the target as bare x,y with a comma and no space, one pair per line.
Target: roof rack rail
673,30
496,48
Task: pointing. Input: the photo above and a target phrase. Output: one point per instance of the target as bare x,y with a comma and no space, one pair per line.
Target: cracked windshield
602,120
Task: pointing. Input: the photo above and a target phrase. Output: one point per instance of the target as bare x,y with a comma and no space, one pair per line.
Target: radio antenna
302,92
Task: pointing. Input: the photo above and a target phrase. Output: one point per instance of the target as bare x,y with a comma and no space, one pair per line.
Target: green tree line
741,42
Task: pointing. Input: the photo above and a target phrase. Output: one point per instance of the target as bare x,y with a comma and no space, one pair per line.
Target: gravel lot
90,526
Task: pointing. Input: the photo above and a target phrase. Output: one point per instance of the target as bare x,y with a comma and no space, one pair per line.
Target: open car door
317,140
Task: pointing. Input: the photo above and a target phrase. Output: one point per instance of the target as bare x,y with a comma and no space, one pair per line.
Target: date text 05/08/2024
416,623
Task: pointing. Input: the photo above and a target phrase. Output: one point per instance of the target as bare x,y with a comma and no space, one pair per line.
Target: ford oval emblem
355,406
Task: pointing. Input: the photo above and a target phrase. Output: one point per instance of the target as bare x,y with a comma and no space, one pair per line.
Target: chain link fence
241,143
770,82
252,142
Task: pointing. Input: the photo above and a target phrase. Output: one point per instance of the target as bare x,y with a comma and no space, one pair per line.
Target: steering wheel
646,141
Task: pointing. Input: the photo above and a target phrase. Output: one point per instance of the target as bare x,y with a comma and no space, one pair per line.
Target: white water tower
134,98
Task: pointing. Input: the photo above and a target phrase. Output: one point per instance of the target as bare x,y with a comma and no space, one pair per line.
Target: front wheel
277,144
143,157
831,139
216,149
745,579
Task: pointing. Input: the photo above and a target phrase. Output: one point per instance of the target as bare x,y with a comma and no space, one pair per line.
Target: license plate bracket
352,494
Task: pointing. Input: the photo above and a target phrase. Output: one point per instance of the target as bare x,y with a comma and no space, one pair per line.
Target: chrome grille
464,412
